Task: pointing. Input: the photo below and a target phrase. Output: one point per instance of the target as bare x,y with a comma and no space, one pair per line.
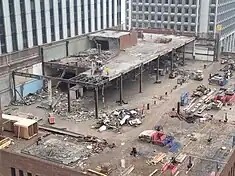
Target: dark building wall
129,40
229,169
10,162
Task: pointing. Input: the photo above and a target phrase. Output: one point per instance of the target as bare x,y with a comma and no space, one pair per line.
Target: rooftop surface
109,34
192,137
144,52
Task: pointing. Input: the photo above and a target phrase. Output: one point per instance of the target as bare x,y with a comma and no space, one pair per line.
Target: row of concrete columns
96,88
96,92
228,43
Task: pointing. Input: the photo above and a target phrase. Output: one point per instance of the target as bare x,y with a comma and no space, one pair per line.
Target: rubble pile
67,150
119,118
79,112
85,58
31,98
93,79
163,40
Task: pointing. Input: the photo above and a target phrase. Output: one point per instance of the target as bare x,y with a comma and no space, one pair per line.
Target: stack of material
119,118
163,40
21,127
84,59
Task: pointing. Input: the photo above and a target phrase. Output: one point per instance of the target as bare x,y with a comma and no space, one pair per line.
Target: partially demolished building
92,62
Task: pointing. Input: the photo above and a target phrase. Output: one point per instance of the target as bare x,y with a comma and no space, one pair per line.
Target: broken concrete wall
31,86
227,54
78,44
54,51
5,89
127,41
32,165
15,60
114,45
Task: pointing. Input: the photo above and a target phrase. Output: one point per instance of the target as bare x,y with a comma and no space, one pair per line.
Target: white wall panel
38,22
72,24
99,14
48,21
56,20
64,17
79,18
110,13
7,23
86,16
115,12
104,14
92,16
18,25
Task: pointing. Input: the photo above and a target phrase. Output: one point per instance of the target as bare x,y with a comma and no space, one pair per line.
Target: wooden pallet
158,158
5,142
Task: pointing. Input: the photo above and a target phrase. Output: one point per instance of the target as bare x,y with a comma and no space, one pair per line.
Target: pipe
96,102
178,108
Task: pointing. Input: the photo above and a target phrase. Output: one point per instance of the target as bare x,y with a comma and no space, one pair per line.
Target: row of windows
164,18
186,2
20,173
164,9
2,30
62,22
167,26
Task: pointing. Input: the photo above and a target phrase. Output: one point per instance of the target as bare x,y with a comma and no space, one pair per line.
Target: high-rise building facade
28,23
199,16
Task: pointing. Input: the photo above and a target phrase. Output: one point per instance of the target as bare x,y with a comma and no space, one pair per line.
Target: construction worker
107,71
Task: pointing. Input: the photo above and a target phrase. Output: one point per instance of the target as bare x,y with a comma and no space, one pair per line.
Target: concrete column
103,100
121,89
232,42
172,58
13,86
49,87
183,52
96,102
217,54
141,78
68,94
227,44
67,48
157,71
193,52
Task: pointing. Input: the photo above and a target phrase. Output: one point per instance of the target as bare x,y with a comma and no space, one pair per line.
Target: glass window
13,171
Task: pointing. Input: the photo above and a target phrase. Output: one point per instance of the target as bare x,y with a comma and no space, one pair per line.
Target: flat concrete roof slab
109,34
144,52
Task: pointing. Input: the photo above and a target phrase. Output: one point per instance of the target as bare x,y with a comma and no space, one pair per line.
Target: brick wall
229,169
31,165
129,40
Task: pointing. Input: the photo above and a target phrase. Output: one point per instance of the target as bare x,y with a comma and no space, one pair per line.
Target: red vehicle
224,98
156,137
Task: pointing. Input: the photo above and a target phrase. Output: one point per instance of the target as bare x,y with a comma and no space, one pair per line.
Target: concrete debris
78,110
31,98
92,79
67,150
118,118
85,58
163,40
